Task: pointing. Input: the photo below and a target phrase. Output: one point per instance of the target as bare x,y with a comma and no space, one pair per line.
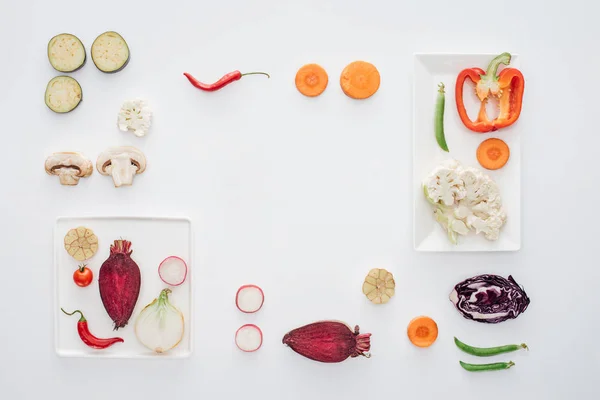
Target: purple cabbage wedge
489,298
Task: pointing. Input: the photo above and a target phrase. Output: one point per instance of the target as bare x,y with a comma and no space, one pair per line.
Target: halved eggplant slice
110,52
66,53
63,94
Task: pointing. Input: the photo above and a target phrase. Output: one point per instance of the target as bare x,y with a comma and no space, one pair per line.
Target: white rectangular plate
429,71
152,240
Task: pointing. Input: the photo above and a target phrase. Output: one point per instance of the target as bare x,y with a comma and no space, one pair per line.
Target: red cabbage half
489,298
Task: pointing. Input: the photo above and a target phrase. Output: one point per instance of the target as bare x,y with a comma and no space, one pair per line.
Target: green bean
486,367
439,118
488,351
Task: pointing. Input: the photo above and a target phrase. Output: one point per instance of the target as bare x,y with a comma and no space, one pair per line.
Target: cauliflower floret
478,187
470,178
444,185
459,226
462,211
452,225
135,116
487,207
490,226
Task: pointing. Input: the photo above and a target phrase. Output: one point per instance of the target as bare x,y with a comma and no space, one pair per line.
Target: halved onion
160,325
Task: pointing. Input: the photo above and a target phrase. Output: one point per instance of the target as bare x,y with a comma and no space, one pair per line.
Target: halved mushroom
122,163
69,167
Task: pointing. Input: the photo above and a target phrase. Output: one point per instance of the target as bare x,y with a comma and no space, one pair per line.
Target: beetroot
328,341
119,282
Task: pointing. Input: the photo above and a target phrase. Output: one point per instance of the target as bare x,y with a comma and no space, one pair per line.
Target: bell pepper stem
489,81
492,69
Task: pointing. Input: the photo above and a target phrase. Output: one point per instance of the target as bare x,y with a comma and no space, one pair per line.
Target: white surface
152,240
302,196
430,70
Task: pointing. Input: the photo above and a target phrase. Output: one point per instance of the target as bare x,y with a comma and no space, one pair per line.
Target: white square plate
152,240
429,71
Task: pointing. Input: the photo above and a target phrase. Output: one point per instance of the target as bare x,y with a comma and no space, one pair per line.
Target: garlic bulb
379,286
160,325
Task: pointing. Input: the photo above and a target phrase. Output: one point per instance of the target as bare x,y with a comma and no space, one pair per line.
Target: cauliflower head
464,200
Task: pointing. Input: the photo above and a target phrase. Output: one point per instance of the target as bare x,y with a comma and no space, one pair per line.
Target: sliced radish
248,338
249,299
172,271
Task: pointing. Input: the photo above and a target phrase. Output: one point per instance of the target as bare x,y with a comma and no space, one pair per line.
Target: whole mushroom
69,167
122,163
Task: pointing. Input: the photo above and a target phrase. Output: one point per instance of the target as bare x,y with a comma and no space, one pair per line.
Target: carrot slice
422,331
493,153
311,80
360,80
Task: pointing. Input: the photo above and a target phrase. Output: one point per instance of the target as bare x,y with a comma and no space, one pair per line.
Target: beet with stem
119,281
328,341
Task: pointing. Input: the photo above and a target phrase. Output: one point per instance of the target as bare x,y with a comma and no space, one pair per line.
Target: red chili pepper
88,338
508,87
224,81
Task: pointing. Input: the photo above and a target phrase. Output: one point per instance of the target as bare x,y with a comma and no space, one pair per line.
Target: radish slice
172,271
249,299
248,338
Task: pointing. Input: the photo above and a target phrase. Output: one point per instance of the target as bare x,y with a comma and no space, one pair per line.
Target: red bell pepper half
508,87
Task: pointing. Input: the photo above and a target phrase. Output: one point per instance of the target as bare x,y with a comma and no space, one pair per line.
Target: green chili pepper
489,351
486,367
439,117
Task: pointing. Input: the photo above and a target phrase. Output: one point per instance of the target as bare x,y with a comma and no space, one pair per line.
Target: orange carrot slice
422,331
493,153
311,80
360,80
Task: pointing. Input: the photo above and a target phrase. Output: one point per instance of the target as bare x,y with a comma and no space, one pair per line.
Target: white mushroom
69,167
122,163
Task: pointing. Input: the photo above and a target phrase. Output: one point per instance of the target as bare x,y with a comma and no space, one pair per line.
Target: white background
302,196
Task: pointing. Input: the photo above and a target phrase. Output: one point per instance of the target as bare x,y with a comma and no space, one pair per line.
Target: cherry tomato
83,276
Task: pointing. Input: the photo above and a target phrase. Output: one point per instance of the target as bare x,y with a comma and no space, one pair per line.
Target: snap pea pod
488,351
486,367
439,118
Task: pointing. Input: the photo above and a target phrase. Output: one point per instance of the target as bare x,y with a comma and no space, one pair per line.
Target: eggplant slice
66,53
63,94
110,52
